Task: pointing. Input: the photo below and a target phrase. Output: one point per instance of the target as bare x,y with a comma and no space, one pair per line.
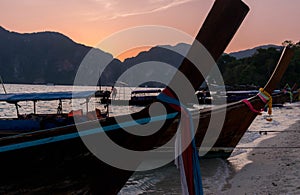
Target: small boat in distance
205,97
137,98
279,97
143,97
234,96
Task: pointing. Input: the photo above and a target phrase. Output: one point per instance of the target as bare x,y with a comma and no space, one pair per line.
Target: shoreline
272,165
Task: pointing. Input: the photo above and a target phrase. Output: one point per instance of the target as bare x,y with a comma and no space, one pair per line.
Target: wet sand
272,165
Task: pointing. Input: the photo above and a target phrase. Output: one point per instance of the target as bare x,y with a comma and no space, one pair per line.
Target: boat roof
46,96
243,92
146,91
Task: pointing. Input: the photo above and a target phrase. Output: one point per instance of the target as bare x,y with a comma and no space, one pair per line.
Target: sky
92,21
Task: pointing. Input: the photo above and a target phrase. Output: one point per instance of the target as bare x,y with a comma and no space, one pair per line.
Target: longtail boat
240,115
280,98
296,95
34,120
53,157
287,94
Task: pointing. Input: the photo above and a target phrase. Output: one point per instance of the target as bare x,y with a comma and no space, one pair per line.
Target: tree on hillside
258,68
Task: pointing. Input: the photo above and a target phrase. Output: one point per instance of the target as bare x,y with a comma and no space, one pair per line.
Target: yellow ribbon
269,103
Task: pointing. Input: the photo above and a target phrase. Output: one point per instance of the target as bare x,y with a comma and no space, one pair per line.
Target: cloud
114,9
153,10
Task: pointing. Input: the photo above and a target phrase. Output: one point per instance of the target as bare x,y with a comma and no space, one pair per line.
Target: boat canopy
146,91
254,92
45,96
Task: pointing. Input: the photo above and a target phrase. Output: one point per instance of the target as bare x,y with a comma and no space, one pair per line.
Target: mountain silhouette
250,52
51,57
43,57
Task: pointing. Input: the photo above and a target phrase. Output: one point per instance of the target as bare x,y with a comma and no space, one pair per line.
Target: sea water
165,180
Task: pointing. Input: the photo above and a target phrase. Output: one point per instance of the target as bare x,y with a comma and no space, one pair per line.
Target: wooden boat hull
53,157
232,130
62,172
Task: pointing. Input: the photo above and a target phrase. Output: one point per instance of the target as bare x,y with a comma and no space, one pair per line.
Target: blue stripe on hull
84,133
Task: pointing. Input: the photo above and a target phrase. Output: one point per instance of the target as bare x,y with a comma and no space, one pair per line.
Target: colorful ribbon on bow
266,98
188,160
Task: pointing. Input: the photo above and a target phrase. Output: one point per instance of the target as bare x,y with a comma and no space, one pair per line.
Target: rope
267,147
272,131
254,147
167,149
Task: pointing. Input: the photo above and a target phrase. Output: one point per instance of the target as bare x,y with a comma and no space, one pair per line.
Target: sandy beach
266,161
271,164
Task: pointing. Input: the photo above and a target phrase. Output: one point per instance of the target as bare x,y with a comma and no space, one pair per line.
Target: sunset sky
91,21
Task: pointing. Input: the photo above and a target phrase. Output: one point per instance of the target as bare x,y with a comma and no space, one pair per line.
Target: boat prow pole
219,27
286,56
